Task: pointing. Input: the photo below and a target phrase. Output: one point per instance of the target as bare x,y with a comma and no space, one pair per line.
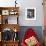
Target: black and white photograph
30,14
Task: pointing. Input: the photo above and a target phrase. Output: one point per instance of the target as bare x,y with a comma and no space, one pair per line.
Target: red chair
29,33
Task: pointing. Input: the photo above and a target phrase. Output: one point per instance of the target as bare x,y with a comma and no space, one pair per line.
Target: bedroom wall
37,29
39,12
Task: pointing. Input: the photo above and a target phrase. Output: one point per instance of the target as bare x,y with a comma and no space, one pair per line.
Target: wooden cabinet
9,25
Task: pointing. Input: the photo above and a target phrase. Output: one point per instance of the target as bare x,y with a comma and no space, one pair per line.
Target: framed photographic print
5,12
30,13
12,20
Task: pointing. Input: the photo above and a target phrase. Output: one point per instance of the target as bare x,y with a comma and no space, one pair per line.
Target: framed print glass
30,13
5,12
12,20
7,34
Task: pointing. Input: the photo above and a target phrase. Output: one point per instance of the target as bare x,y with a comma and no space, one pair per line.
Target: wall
37,29
23,4
39,12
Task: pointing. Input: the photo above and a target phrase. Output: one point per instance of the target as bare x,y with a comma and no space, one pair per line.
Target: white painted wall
39,12
23,4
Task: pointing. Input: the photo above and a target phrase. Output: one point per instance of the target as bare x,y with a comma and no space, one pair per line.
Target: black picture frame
30,13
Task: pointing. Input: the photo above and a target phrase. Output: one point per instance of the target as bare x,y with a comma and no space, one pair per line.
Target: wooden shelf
11,26
4,13
9,8
9,43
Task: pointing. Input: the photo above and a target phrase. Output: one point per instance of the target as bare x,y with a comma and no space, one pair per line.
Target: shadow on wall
37,29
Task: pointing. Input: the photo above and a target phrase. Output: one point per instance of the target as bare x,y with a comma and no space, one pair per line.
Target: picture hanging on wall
30,13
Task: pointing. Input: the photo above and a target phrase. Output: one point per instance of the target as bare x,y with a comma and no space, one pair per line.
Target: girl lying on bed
30,38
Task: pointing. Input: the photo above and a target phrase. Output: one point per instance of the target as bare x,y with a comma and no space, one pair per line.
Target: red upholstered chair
29,33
